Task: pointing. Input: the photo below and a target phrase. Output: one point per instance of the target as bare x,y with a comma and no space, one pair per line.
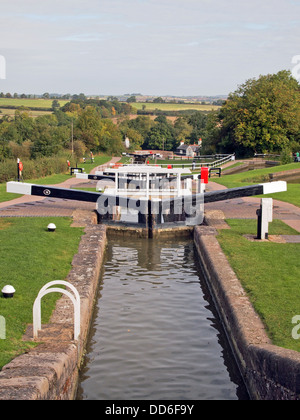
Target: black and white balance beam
92,197
96,177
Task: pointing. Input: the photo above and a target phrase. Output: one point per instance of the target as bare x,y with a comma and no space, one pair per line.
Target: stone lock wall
50,370
269,372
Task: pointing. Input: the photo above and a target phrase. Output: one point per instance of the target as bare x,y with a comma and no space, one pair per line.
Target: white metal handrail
75,298
196,165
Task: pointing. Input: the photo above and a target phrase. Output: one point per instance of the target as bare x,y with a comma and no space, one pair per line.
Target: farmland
151,106
28,103
37,107
43,106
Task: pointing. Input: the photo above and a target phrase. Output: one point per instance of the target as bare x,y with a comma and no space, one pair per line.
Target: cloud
170,46
89,37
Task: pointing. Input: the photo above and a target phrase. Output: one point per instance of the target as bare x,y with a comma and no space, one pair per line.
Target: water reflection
155,334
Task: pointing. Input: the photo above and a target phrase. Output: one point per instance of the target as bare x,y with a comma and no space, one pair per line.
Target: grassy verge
255,176
269,273
31,257
292,195
98,160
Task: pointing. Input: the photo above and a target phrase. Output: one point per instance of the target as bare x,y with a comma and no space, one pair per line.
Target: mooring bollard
265,216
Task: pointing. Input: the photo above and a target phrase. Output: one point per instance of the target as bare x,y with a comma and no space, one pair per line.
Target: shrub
286,156
33,168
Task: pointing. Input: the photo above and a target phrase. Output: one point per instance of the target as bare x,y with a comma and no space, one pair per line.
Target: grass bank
31,257
269,273
257,176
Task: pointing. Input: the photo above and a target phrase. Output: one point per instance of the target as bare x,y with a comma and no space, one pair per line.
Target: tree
24,125
262,115
159,100
142,124
198,121
110,138
131,99
21,151
55,105
96,133
88,128
161,135
79,149
134,136
182,129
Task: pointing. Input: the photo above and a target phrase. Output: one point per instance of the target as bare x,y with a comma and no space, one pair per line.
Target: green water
156,334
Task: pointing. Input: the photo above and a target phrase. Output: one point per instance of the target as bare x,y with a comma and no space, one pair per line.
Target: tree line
81,125
261,116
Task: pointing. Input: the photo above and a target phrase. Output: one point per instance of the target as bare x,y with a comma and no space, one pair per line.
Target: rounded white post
75,298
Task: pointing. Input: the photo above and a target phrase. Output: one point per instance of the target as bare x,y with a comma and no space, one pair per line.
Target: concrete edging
269,372
50,370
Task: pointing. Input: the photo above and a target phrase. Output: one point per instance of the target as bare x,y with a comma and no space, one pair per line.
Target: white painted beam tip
274,187
82,176
18,188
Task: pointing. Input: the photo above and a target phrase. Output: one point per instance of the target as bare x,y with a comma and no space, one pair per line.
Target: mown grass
98,160
257,176
269,273
31,257
254,176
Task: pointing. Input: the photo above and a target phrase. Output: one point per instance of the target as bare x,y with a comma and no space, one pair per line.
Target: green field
150,106
29,103
33,113
137,106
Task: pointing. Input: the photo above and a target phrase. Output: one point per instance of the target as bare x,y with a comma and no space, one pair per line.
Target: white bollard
188,184
201,187
265,216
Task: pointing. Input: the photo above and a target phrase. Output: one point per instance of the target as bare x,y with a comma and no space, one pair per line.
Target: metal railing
219,160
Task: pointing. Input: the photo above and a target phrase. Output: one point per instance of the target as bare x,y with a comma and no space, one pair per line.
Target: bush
33,168
286,156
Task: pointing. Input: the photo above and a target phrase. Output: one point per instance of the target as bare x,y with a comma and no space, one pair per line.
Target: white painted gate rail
75,298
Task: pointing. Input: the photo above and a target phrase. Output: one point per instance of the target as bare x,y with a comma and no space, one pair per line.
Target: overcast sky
153,47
